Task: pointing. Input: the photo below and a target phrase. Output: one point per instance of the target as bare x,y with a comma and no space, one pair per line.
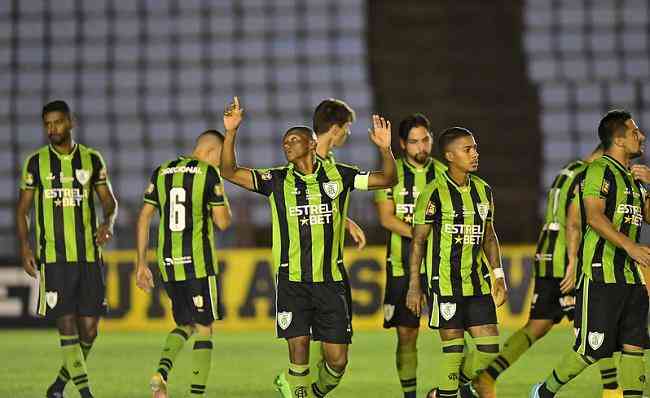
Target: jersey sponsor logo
483,209
405,192
182,170
51,298
83,176
543,257
198,302
404,208
389,312
171,261
66,197
634,214
284,319
595,340
470,234
331,189
313,214
447,310
29,179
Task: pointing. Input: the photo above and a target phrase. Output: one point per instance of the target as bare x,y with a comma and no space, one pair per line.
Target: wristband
498,273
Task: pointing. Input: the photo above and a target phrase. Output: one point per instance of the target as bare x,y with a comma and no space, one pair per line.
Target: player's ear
449,156
402,144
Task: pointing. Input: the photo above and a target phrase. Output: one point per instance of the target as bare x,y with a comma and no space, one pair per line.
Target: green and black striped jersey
455,260
308,214
551,253
184,190
65,219
411,181
602,261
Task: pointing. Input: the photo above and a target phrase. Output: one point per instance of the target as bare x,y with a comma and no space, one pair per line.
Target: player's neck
619,156
305,165
460,177
65,148
324,145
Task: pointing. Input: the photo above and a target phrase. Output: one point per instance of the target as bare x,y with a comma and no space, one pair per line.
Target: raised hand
233,115
641,172
380,134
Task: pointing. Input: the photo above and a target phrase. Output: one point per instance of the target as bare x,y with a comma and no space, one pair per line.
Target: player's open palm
380,134
144,278
499,292
640,254
233,115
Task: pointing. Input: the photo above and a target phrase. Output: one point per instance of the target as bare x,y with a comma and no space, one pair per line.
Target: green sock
406,360
487,349
328,379
75,364
315,356
298,378
201,362
452,356
571,365
173,345
608,373
513,348
64,375
632,373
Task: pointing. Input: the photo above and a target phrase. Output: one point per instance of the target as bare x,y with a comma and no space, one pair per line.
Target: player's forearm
646,211
415,260
142,237
599,223
387,176
573,232
395,225
110,209
228,156
22,227
492,249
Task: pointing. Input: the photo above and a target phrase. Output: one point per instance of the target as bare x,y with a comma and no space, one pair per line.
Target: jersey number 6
176,209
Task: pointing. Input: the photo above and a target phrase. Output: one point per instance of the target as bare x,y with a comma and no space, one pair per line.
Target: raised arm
380,135
241,176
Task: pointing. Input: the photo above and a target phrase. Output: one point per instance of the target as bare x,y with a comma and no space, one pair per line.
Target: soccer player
458,210
60,179
188,194
309,199
612,302
415,169
554,270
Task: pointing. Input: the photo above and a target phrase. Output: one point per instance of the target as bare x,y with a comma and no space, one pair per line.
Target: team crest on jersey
266,176
29,178
483,209
331,189
447,310
431,209
51,298
284,319
198,301
218,190
389,312
150,189
82,176
102,173
595,340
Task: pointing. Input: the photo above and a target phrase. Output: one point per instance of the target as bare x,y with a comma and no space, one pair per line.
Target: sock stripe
633,353
447,393
557,379
69,342
163,373
494,373
318,393
166,363
409,383
197,386
610,386
489,348
332,372
85,345
181,333
463,378
607,372
203,345
501,361
633,393
298,374
453,349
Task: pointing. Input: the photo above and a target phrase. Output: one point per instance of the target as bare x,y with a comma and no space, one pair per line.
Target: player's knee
203,330
407,337
67,325
538,329
338,362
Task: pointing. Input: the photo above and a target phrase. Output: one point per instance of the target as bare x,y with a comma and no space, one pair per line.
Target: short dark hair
302,130
450,135
56,106
216,133
611,124
331,112
412,121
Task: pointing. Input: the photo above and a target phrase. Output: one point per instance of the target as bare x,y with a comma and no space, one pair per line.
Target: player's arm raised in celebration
25,201
109,208
388,219
573,236
143,276
380,135
417,248
241,176
492,251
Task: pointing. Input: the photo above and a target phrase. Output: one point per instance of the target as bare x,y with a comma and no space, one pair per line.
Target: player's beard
58,139
421,157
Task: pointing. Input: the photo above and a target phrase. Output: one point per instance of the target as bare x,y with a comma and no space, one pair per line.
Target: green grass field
245,364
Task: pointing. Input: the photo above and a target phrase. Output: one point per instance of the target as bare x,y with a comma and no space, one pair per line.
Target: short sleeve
382,195
214,188
598,181
151,193
427,207
352,177
100,173
490,214
30,178
263,181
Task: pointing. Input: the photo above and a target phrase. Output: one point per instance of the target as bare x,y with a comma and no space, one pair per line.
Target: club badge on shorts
284,319
447,310
389,312
51,298
595,340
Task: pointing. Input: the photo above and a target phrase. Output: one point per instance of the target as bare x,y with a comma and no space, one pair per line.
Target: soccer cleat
52,393
433,393
467,391
282,386
617,393
484,386
534,392
158,386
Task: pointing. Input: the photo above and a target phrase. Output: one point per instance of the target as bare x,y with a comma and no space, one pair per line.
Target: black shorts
549,303
395,311
462,312
319,309
72,288
609,315
194,301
